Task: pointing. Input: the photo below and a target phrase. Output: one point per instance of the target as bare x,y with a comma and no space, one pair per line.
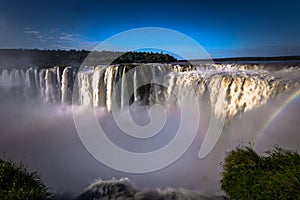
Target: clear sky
223,28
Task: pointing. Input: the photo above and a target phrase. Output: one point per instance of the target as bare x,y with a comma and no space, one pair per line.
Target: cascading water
67,85
135,86
50,85
123,89
230,89
42,83
109,80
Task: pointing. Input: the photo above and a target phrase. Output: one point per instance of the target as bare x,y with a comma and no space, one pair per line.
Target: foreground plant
16,183
247,175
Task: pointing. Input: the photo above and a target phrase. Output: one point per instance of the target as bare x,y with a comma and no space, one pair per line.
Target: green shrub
18,184
246,175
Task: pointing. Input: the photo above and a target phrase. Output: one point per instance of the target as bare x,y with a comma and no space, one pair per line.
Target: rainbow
278,112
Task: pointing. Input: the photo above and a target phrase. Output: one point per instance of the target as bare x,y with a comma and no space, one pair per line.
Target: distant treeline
246,59
24,58
46,58
273,58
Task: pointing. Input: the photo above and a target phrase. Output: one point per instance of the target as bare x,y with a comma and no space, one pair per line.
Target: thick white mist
45,139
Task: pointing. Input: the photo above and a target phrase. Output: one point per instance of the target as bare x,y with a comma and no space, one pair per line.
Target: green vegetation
247,175
49,58
16,183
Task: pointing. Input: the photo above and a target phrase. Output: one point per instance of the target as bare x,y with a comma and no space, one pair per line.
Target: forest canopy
47,58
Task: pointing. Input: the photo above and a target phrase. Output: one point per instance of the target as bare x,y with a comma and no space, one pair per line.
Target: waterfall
36,79
66,85
4,78
58,74
96,86
29,83
51,86
109,74
135,85
42,84
31,78
19,78
154,89
12,81
85,88
124,93
229,89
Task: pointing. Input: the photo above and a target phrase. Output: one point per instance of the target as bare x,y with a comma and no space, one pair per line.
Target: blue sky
223,28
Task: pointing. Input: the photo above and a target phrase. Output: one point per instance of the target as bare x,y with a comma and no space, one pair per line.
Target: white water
232,89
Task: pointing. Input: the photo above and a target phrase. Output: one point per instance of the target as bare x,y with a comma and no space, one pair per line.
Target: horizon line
295,57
